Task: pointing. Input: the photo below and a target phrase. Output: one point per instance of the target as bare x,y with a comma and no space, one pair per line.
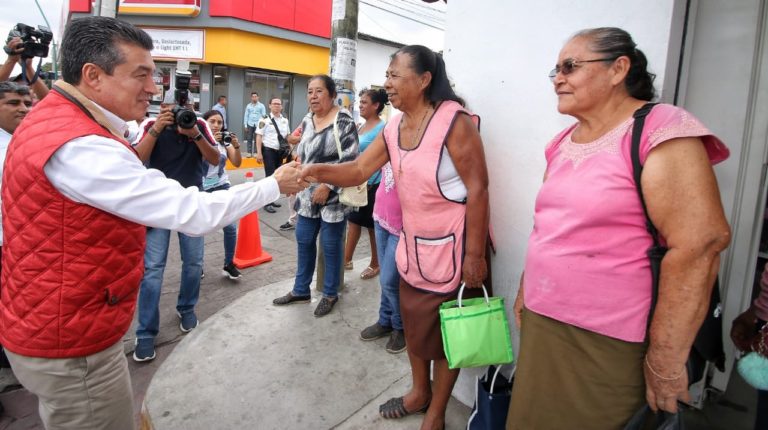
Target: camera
34,41
226,137
183,116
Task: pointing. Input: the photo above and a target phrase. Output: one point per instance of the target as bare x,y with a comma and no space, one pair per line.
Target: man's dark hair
220,98
94,40
13,88
254,93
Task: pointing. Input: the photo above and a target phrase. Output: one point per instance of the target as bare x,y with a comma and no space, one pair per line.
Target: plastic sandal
370,272
348,265
394,409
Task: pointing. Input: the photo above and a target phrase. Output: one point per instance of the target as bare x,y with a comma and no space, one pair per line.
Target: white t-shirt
266,129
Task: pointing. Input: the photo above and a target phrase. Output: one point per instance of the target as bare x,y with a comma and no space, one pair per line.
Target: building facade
234,47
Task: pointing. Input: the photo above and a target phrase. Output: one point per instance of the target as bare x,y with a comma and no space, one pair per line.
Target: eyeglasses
569,65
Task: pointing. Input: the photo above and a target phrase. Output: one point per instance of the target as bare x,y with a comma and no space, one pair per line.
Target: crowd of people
73,279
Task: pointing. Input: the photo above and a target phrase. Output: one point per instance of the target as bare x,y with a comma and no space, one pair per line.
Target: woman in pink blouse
585,361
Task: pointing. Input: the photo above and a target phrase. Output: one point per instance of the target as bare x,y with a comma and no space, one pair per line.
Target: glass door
268,86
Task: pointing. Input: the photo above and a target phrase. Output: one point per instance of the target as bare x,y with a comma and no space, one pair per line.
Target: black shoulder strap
637,167
277,129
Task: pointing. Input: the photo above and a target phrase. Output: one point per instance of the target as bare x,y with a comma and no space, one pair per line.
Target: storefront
233,48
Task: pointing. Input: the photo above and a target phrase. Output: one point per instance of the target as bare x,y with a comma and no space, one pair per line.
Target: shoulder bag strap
336,133
277,129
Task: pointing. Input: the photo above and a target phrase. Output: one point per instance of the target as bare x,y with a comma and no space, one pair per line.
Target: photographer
15,46
174,148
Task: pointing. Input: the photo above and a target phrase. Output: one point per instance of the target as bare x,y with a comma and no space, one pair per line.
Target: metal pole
342,70
97,8
108,8
53,41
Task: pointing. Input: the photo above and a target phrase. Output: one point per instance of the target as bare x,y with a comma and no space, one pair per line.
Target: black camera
226,137
183,116
35,42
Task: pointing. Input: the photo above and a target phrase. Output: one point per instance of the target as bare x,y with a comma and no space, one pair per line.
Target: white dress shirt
5,139
105,174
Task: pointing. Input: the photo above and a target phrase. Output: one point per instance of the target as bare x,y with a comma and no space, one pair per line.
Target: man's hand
320,195
743,330
287,177
259,157
163,120
189,132
308,173
14,48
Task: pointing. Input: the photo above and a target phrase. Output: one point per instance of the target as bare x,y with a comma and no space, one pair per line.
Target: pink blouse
386,209
586,263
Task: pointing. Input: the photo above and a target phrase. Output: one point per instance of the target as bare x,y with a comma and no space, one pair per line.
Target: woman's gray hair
613,43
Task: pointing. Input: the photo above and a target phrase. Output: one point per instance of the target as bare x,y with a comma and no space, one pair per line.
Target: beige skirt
571,378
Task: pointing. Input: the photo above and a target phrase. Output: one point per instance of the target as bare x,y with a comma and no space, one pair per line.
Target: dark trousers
272,160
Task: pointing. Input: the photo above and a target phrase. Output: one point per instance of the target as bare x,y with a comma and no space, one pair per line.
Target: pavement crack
343,319
373,399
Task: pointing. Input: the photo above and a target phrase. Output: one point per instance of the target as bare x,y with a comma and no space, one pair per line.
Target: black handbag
708,345
659,421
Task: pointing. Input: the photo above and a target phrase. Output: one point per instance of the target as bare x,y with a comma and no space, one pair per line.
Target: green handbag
475,331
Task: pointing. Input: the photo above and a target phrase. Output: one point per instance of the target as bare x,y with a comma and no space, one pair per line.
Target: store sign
190,8
182,44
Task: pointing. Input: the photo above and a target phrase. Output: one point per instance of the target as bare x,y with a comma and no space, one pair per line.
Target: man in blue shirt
254,111
221,107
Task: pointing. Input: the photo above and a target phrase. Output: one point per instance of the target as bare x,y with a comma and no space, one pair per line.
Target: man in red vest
75,201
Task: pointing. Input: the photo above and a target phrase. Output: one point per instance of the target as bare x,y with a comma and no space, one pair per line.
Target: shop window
220,83
269,86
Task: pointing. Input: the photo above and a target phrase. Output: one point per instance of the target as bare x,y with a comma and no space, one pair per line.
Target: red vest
70,272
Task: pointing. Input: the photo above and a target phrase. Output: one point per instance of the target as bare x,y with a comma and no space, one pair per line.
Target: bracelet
236,147
153,133
663,378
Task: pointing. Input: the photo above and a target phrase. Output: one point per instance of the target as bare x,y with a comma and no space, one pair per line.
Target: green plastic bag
475,331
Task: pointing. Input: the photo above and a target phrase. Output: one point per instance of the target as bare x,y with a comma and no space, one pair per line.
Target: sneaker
290,299
325,306
287,226
374,332
276,205
188,321
270,209
144,349
231,272
396,343
202,275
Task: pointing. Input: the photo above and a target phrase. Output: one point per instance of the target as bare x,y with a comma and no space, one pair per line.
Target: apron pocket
436,258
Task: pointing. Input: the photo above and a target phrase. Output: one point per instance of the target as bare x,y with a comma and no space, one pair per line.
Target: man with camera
272,148
71,277
22,51
174,143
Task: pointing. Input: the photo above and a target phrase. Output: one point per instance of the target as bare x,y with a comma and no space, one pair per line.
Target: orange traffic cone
248,251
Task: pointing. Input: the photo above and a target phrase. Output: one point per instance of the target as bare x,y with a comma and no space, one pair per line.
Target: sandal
394,409
348,265
370,272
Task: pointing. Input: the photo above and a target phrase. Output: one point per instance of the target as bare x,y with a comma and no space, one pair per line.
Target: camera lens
226,137
185,118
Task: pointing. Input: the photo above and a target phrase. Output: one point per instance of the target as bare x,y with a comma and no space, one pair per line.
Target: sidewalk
251,365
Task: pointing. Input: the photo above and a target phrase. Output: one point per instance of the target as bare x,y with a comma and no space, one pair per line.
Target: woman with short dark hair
318,206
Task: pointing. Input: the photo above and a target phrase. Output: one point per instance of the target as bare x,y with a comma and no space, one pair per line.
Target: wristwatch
198,137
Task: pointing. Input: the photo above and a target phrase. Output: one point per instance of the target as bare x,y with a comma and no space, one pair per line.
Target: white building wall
372,62
498,54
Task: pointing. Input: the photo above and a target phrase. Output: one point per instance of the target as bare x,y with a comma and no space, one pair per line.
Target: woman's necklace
402,153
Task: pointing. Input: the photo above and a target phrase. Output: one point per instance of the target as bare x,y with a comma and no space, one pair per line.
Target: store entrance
165,80
268,86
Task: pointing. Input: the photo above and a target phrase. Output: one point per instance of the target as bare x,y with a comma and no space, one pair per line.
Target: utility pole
342,71
55,61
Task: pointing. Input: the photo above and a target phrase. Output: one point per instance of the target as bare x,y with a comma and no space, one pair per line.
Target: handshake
293,177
